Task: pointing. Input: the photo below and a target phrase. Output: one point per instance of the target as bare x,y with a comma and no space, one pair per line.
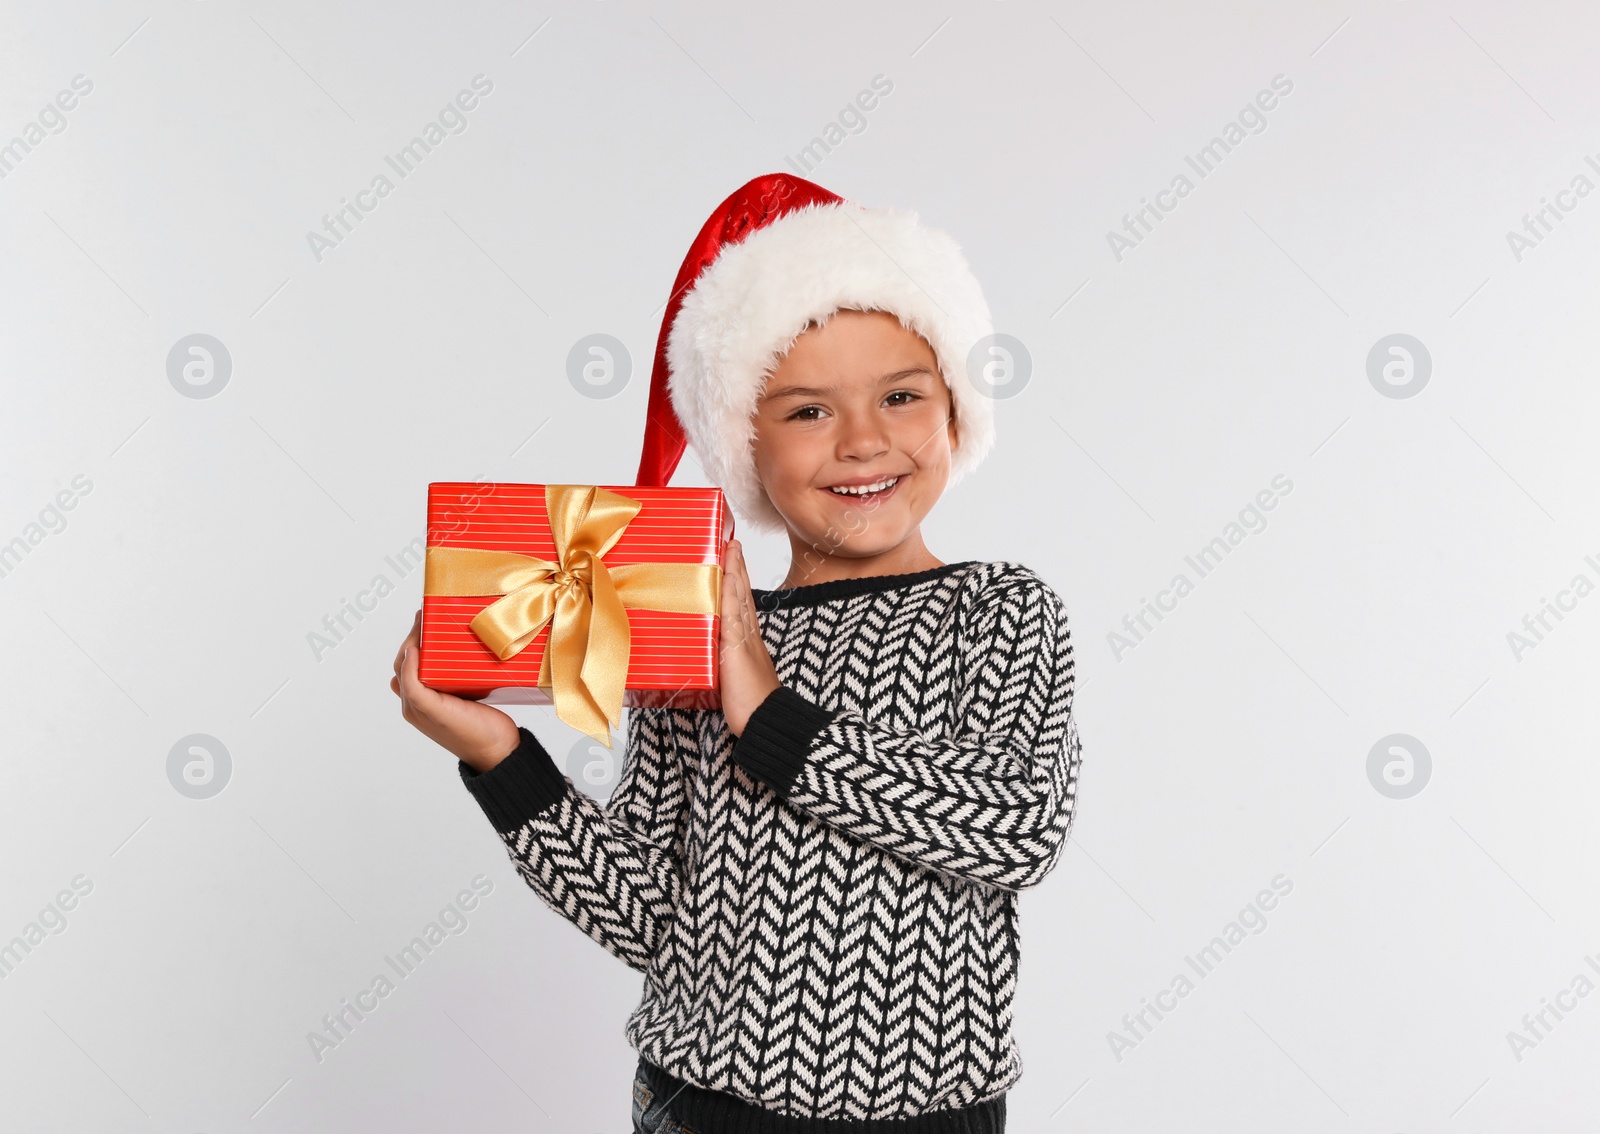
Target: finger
747,599
747,620
415,694
745,586
733,596
736,569
728,622
752,621
415,634
730,593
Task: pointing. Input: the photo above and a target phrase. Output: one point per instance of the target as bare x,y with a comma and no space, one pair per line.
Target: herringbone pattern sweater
825,908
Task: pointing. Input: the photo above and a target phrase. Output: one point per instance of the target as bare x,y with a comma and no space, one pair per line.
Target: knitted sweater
825,907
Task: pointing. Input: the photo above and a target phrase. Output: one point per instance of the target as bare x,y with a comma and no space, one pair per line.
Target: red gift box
671,654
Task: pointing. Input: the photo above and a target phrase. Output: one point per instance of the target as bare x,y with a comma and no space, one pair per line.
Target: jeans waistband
716,1112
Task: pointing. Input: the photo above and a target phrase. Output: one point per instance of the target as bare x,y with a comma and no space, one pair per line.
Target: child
819,881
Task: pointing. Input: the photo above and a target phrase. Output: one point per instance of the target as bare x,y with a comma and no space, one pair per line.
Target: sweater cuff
777,738
519,787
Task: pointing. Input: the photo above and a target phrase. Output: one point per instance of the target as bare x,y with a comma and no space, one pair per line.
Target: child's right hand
479,735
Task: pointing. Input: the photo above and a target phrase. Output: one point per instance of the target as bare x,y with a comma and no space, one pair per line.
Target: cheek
782,462
929,438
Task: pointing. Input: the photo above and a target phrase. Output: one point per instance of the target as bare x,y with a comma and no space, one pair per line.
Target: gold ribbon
585,659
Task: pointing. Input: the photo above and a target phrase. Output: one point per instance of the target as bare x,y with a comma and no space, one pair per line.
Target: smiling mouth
878,490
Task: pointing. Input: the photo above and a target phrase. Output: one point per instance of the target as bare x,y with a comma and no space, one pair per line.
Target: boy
819,880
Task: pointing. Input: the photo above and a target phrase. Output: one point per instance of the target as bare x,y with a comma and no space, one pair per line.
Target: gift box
587,597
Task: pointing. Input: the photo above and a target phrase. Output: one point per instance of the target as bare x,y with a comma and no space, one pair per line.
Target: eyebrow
814,391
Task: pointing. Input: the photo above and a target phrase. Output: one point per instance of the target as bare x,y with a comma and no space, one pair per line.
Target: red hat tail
753,205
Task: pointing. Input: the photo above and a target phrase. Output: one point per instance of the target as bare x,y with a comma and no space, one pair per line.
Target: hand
479,735
746,673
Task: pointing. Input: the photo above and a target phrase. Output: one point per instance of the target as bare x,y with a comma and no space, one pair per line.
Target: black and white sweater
825,907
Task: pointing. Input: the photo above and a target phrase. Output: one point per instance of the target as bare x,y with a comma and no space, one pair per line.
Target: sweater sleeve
613,870
991,802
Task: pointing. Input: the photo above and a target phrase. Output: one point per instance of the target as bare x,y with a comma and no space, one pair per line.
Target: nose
862,437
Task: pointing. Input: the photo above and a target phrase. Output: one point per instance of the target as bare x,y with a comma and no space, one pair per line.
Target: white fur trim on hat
747,308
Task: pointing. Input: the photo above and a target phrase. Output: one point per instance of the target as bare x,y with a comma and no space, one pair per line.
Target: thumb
412,691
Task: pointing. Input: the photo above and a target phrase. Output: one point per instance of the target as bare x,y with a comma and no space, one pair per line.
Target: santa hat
776,255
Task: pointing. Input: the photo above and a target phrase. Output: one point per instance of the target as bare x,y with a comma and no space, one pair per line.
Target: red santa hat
776,255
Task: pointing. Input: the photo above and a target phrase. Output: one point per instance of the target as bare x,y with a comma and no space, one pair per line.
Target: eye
910,395
797,415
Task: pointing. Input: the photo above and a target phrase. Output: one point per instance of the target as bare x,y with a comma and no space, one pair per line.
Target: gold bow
585,659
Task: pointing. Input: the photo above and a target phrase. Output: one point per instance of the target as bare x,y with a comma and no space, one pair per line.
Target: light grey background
1168,388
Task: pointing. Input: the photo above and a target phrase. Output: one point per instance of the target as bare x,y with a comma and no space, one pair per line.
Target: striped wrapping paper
672,657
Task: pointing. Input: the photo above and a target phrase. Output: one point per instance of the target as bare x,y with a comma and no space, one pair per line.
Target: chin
867,552
854,531
867,537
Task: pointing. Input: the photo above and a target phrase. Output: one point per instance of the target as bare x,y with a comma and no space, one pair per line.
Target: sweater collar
810,594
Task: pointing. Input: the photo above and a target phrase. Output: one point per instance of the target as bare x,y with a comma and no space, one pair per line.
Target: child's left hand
747,674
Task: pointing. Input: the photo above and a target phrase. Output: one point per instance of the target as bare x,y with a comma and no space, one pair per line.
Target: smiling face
856,403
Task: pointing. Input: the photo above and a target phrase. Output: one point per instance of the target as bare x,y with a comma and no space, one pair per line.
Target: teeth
862,490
